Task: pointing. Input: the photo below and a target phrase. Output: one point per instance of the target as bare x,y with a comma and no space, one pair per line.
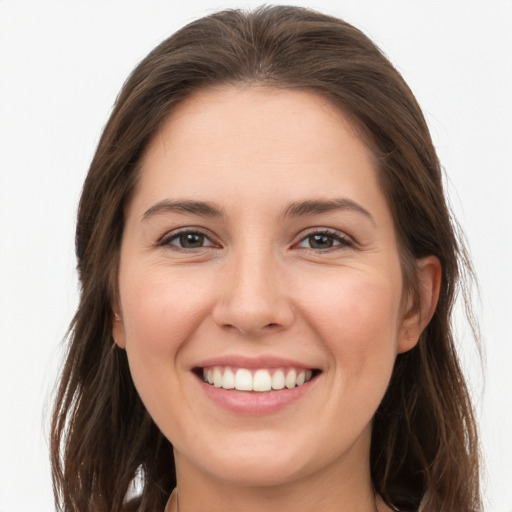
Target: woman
268,268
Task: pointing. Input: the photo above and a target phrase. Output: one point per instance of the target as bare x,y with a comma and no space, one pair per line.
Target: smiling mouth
258,380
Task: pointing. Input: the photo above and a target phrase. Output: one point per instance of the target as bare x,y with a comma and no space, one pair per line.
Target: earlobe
420,311
118,328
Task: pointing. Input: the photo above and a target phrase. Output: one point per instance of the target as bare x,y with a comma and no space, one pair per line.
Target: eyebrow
319,206
294,209
202,208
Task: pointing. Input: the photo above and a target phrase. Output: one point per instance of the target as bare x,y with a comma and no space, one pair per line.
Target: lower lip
253,402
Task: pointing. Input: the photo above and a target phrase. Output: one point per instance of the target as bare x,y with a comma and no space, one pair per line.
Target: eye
187,240
324,240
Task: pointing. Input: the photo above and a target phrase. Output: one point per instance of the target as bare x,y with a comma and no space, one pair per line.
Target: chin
264,462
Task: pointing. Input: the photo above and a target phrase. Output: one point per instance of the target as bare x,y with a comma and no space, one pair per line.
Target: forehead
290,138
281,116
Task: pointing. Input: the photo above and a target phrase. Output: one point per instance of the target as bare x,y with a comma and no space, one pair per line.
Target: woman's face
259,252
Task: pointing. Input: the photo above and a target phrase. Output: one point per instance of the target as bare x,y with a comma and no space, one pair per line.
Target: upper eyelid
336,233
172,234
345,241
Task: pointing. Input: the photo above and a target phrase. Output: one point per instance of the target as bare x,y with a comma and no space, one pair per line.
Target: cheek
160,315
358,319
160,310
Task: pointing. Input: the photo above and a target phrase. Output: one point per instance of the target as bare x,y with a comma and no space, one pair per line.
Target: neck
174,506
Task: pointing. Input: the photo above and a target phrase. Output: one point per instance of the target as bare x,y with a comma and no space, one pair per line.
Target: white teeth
260,380
291,379
228,381
243,380
217,377
278,380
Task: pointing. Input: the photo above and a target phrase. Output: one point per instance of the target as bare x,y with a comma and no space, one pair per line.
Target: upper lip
266,361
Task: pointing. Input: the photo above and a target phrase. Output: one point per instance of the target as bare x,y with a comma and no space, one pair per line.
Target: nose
252,295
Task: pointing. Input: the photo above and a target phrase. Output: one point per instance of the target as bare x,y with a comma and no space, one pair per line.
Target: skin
258,287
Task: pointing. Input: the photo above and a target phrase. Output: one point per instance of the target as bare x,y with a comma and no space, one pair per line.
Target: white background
61,66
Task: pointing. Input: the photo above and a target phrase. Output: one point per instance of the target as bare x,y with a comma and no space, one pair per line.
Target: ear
118,332
419,310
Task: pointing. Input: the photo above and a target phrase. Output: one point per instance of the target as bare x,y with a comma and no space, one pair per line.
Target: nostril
247,331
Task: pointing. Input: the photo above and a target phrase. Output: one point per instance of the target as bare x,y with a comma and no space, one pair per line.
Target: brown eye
320,241
191,240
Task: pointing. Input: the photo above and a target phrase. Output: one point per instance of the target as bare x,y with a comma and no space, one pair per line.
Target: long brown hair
424,452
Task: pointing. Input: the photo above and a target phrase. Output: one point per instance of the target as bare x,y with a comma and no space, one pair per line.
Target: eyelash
337,239
167,239
341,239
